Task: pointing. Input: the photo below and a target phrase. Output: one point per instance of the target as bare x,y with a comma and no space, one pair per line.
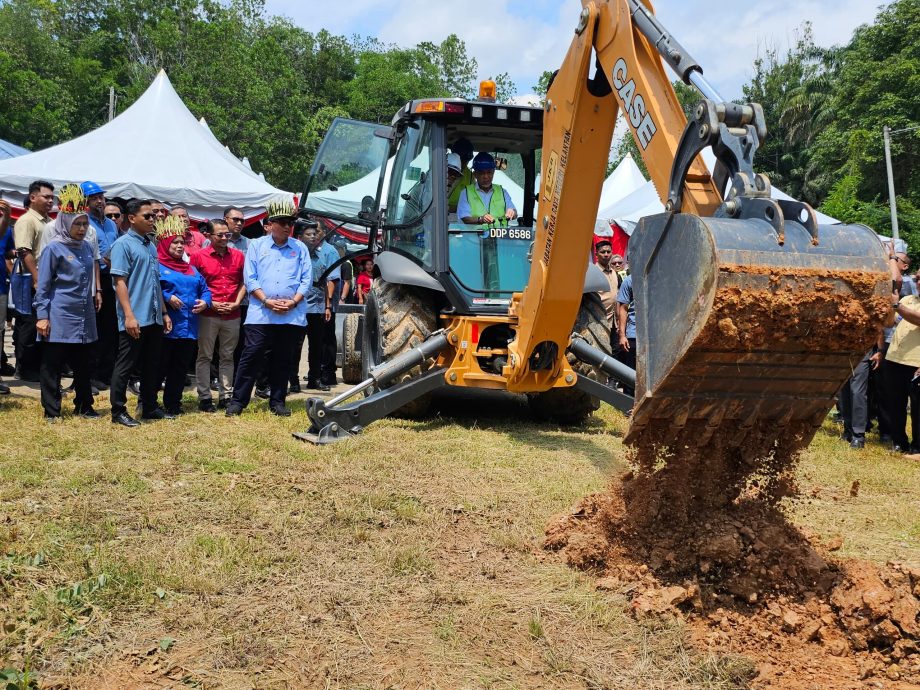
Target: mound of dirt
749,582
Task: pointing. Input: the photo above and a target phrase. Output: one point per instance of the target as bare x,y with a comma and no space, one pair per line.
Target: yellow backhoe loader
750,315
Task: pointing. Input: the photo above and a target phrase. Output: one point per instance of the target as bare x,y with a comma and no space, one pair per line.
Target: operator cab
393,182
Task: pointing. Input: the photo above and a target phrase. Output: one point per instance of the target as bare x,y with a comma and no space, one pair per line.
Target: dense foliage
264,85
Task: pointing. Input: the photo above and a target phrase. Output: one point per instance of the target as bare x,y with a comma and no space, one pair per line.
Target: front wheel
570,405
396,319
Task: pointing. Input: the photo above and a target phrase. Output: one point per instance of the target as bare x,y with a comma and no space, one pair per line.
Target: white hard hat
453,162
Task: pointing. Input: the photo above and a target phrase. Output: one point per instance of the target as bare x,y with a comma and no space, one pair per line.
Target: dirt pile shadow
698,534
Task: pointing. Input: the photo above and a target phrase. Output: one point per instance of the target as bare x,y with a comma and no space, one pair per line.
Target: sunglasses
221,234
148,216
113,215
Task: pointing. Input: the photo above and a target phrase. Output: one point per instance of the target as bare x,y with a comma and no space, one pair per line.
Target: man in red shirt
193,239
222,268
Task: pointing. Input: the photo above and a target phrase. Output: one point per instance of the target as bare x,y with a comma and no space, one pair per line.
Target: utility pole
886,132
894,204
112,112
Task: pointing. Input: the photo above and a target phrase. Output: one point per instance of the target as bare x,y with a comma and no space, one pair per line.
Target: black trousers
238,352
627,357
144,354
329,351
28,359
175,356
316,337
899,387
105,348
281,340
54,357
294,375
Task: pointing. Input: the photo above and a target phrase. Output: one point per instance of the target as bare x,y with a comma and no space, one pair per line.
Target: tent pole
111,103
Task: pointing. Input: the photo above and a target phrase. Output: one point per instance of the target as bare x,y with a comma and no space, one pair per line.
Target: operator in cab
483,203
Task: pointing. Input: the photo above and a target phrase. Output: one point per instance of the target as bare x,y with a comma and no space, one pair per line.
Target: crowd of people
131,296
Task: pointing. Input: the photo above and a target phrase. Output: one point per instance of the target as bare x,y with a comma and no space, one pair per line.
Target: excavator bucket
748,327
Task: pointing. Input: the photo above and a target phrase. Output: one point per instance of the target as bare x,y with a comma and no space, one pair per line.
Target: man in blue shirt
142,317
278,277
479,203
320,310
106,319
626,326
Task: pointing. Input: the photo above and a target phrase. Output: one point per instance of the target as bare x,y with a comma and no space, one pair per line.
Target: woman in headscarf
186,295
66,301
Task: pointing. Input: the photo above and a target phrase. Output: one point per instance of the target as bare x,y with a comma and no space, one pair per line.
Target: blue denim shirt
321,259
625,296
65,294
106,234
188,288
135,257
280,272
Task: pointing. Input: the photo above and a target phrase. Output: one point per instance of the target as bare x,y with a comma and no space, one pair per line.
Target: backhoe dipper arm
627,44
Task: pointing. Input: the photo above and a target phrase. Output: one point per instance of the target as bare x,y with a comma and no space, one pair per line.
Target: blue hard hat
483,161
89,188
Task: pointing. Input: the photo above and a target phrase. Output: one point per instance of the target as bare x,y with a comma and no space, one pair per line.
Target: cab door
348,174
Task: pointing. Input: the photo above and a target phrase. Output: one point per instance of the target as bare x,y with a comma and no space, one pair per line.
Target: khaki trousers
212,329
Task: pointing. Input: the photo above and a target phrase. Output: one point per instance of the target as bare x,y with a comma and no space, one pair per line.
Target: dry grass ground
213,552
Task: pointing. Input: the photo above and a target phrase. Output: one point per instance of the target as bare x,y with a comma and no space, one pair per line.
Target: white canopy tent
155,149
622,180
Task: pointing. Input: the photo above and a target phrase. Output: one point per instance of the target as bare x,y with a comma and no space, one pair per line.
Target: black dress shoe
7,369
174,411
125,420
280,411
846,437
317,386
88,413
157,413
900,449
331,381
4,389
233,410
221,404
858,443
885,438
135,387
264,393
294,387
206,406
98,384
214,385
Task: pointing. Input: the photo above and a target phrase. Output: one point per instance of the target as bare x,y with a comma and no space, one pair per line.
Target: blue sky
525,37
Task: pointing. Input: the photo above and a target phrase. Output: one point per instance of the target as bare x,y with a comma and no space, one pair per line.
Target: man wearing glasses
106,318
278,276
235,221
222,269
142,317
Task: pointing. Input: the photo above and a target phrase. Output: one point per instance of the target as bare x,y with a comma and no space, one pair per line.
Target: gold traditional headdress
72,199
279,208
170,226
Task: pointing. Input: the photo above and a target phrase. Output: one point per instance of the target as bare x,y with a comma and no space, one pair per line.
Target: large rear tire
570,405
396,319
351,348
